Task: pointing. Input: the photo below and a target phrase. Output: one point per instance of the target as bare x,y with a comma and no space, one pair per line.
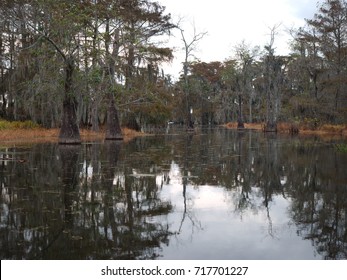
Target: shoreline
23,136
285,128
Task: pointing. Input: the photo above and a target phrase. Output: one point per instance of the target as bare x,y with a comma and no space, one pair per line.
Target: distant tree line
257,85
87,63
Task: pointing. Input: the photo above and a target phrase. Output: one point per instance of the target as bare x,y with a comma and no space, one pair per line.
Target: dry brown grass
326,129
231,125
130,133
283,127
287,127
338,129
41,135
256,126
29,135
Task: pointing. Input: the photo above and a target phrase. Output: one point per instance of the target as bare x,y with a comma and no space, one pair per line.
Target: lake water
215,194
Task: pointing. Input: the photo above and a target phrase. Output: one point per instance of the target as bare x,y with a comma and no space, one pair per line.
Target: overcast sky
229,22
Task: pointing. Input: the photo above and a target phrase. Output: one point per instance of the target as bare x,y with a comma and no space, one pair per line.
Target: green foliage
17,125
83,50
154,113
158,114
95,76
341,148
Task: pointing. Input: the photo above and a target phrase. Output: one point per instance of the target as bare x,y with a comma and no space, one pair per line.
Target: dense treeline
75,60
85,63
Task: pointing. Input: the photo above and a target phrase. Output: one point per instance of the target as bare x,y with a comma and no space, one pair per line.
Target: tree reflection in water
121,201
72,202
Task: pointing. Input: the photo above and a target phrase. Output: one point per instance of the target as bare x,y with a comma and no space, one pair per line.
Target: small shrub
18,125
341,148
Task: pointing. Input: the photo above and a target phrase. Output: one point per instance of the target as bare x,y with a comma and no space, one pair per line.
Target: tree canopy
90,63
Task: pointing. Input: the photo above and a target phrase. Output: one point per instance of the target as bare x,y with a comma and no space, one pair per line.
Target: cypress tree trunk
69,131
240,123
113,129
270,126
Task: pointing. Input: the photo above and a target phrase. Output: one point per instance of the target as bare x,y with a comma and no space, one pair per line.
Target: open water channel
215,194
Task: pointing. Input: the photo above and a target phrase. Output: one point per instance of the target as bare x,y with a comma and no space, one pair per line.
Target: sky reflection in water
213,228
217,194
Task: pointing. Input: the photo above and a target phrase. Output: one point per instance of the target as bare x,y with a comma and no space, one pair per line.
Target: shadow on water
177,196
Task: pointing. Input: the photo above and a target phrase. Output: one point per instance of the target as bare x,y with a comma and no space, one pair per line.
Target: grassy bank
6,125
29,132
325,129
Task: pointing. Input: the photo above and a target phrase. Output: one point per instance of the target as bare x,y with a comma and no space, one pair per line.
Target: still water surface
216,194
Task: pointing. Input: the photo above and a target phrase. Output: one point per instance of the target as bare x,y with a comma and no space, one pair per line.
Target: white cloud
228,22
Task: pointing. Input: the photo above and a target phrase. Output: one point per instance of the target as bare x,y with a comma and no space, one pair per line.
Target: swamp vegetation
86,72
91,64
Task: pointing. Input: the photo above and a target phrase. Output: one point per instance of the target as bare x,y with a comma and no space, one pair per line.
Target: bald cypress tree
329,26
